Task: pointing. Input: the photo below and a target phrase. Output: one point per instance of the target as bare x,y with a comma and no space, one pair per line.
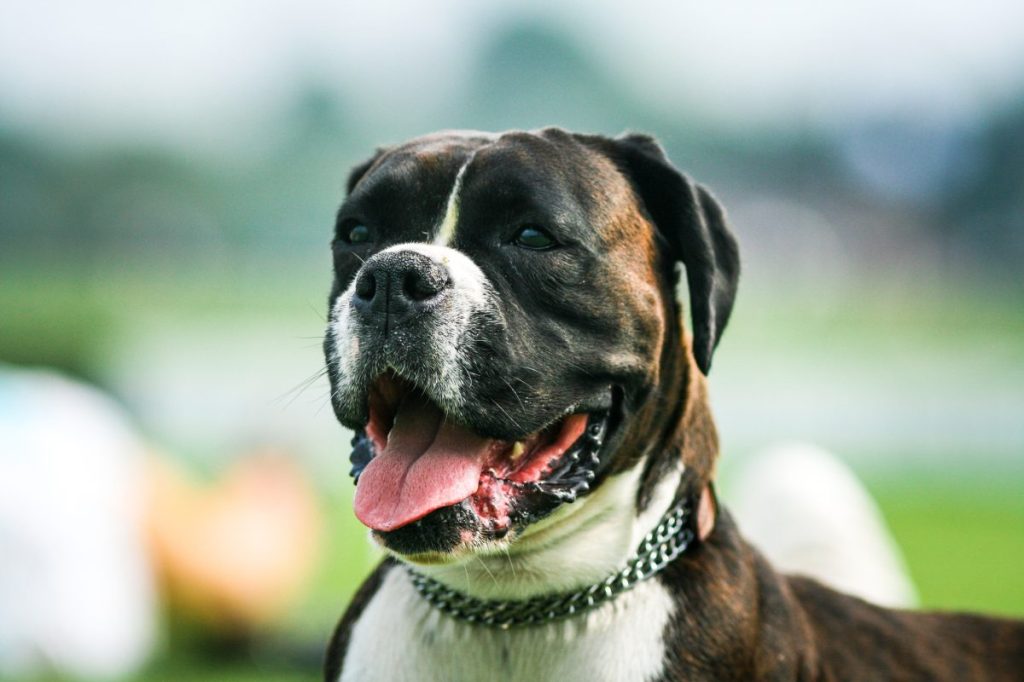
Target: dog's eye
533,237
357,234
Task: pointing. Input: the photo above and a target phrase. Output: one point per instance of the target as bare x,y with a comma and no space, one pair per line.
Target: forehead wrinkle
530,173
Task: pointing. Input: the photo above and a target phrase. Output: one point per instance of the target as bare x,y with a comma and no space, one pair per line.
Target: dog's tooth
517,450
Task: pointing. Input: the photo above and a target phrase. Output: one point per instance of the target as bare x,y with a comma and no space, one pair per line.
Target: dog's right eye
356,234
533,237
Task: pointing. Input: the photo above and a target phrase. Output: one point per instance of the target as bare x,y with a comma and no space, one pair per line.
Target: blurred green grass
963,538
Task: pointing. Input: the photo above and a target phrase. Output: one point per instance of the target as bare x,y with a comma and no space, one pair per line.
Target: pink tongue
427,464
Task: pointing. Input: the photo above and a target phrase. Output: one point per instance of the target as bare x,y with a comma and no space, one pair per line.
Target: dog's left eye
533,237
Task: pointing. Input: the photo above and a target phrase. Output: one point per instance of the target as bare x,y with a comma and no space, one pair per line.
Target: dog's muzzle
393,287
417,371
409,309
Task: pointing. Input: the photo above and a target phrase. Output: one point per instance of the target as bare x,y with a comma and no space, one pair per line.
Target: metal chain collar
659,548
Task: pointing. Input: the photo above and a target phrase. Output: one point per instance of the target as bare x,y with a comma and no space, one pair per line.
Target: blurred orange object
235,553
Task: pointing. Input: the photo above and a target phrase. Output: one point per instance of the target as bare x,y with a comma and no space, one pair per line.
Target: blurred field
963,539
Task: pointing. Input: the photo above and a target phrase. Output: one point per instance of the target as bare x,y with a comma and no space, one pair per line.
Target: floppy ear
360,169
692,225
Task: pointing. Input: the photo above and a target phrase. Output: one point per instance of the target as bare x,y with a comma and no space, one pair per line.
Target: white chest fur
400,637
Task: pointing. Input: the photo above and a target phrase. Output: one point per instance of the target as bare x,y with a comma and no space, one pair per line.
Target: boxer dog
534,448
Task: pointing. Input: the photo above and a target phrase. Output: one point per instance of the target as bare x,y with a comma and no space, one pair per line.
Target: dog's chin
433,491
442,536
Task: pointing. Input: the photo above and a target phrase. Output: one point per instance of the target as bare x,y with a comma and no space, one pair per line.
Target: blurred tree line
80,226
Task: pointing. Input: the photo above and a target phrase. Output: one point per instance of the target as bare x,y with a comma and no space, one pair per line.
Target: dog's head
504,334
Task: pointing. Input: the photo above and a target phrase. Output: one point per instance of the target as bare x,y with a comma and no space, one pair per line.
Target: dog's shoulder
339,639
855,637
737,618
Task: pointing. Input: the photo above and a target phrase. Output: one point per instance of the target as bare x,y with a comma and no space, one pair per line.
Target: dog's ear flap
360,169
692,226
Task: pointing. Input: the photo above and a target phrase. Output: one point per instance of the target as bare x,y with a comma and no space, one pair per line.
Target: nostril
420,285
366,286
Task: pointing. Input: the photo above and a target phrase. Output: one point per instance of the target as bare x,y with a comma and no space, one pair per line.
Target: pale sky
194,70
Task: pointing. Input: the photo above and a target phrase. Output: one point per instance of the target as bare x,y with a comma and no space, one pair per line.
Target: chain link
659,548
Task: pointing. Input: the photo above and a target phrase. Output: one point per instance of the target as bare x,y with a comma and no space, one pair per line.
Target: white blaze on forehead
446,229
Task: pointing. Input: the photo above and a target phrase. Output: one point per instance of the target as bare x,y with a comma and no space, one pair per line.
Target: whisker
511,564
317,310
510,418
510,387
299,388
481,562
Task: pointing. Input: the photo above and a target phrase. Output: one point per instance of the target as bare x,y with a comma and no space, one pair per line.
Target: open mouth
412,460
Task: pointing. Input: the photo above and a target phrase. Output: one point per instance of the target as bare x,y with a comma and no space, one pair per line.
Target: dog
533,443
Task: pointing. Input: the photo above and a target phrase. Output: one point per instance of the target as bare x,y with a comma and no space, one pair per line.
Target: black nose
394,286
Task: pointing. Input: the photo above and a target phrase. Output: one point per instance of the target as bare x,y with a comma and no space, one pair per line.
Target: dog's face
503,325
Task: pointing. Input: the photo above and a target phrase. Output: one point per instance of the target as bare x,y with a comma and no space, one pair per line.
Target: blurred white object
808,513
76,592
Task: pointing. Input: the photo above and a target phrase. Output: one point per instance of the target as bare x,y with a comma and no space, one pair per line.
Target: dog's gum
492,501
